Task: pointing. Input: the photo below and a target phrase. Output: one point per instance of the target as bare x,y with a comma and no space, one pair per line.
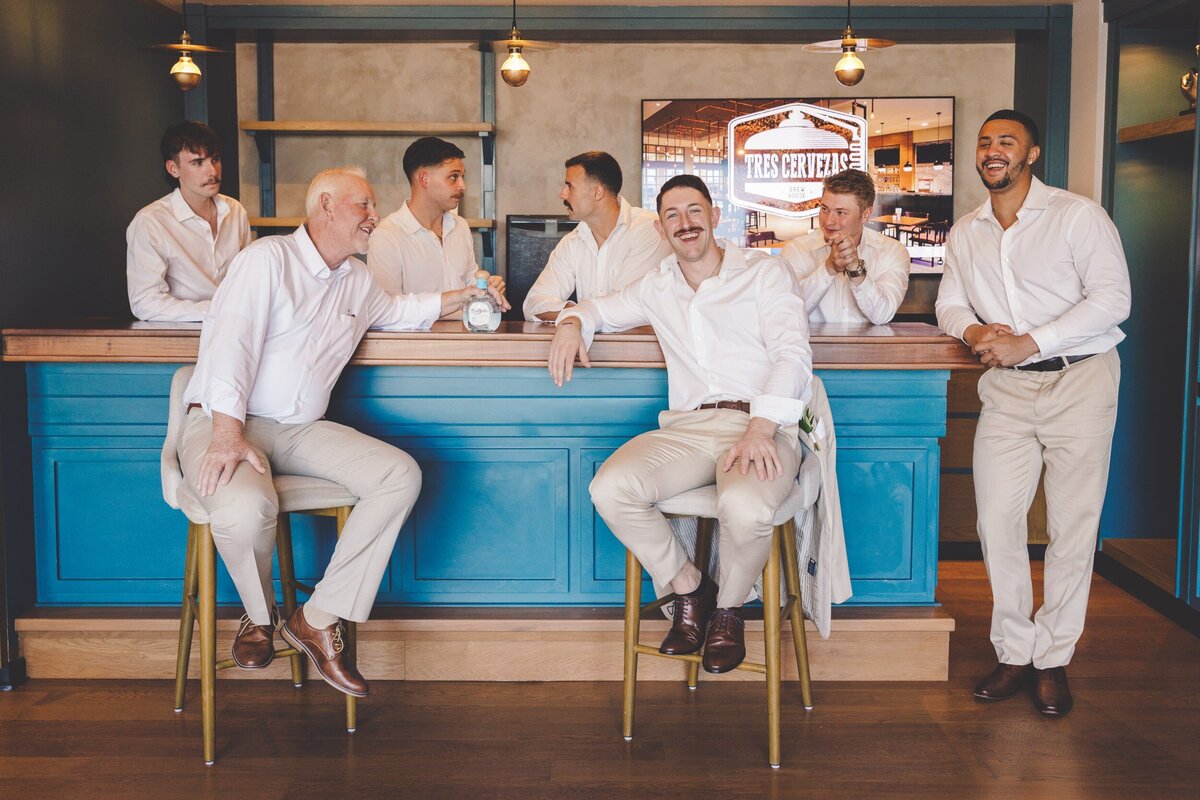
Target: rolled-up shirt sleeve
553,286
953,306
234,332
784,328
1100,261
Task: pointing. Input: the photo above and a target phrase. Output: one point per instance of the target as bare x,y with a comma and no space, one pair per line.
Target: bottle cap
481,278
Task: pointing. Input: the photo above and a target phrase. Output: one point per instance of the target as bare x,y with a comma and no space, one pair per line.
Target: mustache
568,205
687,231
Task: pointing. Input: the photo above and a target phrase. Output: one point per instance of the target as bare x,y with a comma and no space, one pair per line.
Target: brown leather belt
732,405
190,407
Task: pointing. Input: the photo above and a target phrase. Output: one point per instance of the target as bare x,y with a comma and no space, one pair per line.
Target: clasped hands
998,345
843,255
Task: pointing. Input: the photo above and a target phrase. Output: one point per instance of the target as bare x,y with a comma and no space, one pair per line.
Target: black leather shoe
692,611
1051,693
1004,682
725,644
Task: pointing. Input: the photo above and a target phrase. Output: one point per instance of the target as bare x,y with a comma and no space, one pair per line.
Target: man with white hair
281,328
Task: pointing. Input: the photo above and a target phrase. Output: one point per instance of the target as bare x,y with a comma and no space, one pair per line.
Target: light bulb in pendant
850,68
186,73
515,69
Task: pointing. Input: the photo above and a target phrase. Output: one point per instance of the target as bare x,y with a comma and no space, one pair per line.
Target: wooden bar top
902,345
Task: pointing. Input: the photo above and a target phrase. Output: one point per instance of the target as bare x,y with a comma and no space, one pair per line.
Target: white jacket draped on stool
820,537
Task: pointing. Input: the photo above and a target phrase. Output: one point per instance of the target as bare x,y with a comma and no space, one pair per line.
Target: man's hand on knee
757,448
227,449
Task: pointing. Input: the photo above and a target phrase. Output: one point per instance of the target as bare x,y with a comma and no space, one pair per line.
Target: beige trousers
686,453
1063,420
243,512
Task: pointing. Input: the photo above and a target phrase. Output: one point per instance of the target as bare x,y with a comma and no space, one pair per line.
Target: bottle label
479,315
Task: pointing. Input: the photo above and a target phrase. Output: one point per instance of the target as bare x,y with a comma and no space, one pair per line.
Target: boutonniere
814,427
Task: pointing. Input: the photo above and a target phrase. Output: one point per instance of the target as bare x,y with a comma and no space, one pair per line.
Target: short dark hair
195,137
428,151
855,182
1024,120
684,181
600,167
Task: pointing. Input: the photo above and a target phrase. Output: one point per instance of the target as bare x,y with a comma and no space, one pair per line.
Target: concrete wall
579,97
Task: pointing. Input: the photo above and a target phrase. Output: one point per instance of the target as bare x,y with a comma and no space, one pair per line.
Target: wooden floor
1135,732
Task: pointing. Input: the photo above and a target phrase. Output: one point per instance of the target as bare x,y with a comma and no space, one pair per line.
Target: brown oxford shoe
1005,681
692,611
324,646
254,645
1051,693
725,645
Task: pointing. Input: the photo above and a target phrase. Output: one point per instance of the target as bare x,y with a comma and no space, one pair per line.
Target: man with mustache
180,246
280,330
426,246
613,245
1036,284
734,333
848,272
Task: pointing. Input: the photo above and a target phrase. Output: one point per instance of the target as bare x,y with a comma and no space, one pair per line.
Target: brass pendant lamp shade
849,69
185,71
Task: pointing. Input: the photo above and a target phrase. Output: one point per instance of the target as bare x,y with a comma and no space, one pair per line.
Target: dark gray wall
84,104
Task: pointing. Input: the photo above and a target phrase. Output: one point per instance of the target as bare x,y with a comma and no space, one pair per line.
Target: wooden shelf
1158,128
355,128
295,222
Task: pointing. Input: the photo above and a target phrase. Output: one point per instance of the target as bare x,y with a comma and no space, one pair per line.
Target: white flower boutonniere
814,427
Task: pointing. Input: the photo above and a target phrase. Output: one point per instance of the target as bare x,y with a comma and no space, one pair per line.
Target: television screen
934,151
764,161
887,157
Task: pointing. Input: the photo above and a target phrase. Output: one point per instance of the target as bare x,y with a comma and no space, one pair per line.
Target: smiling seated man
848,272
734,334
281,328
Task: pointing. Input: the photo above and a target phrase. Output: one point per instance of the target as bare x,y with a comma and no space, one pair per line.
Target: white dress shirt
835,298
405,256
1058,273
283,325
742,335
577,265
173,262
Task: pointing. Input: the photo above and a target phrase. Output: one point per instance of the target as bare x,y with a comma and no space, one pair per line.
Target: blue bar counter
504,517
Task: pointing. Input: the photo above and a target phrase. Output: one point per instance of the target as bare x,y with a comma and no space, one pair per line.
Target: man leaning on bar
281,328
734,334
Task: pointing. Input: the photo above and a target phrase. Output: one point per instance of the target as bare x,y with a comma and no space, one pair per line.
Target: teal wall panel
504,516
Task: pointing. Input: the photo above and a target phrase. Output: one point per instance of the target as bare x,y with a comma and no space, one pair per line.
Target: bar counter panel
504,517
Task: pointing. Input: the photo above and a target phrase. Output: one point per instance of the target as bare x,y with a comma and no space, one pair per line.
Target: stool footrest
303,587
283,652
695,658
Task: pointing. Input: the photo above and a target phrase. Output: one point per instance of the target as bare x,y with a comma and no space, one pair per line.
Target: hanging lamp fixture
515,69
185,71
849,69
937,162
908,167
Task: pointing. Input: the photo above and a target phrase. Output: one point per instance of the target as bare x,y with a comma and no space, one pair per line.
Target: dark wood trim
1149,593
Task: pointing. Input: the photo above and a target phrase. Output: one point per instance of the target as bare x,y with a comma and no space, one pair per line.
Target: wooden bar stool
297,494
702,503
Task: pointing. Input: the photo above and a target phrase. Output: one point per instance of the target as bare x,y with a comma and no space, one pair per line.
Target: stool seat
702,502
295,492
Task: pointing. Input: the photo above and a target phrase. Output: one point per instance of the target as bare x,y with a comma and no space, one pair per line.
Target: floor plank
1135,731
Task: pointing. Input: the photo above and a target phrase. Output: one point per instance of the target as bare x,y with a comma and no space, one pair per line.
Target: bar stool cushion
702,502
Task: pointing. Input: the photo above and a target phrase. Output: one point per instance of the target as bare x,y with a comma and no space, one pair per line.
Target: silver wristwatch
859,271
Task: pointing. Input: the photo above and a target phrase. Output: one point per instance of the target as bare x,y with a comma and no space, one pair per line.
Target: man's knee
744,513
400,476
614,488
242,515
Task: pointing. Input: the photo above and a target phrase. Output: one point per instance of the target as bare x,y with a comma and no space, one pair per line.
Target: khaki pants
1065,421
686,453
243,512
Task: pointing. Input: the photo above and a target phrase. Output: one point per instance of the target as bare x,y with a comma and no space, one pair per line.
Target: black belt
733,405
1054,364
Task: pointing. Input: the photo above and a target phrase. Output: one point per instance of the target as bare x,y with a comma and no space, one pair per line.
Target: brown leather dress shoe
692,611
725,644
1005,681
324,646
1051,693
254,645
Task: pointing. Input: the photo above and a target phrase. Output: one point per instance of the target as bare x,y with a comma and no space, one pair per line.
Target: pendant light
908,167
937,163
185,71
849,69
515,69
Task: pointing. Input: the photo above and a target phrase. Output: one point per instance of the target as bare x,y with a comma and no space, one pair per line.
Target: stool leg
633,615
791,571
207,557
704,537
187,619
351,643
287,580
771,643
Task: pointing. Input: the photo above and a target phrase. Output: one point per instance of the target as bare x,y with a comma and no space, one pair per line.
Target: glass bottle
481,314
